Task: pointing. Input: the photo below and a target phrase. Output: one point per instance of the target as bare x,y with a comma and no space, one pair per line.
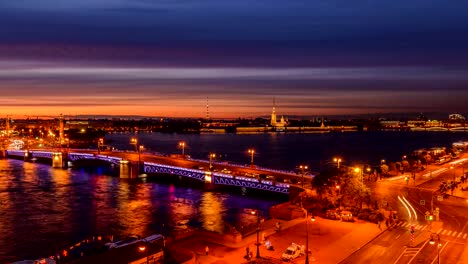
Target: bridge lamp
338,161
303,168
134,141
211,156
182,145
251,152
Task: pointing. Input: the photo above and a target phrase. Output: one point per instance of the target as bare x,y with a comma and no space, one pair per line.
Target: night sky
165,57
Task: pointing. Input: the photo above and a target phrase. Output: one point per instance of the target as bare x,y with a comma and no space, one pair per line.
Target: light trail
412,208
409,212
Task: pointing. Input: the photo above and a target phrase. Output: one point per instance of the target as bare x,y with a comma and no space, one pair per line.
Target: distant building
456,117
274,123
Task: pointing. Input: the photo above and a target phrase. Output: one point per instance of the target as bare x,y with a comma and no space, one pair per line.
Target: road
394,245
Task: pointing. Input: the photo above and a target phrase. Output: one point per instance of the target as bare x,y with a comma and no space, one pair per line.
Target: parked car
332,214
292,252
346,216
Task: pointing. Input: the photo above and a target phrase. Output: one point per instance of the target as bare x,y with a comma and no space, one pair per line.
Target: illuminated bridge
132,165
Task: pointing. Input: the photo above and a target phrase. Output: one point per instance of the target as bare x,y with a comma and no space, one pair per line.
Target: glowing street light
100,143
358,170
182,145
211,156
338,161
251,152
143,248
256,212
303,168
134,141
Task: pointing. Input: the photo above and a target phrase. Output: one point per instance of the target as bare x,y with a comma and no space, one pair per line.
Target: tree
428,159
354,190
406,165
384,169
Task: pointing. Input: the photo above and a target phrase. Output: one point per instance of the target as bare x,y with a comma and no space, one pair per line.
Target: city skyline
163,58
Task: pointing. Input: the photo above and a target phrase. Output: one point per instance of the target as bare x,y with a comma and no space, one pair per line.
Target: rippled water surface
43,210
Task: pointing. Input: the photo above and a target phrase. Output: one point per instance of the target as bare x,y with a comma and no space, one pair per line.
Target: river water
43,210
288,150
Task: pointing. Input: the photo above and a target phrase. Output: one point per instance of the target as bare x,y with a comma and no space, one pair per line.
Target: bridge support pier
128,169
59,159
27,155
209,180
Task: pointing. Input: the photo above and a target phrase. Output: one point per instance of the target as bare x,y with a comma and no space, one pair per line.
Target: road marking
443,247
454,233
423,228
409,252
459,235
438,232
464,236
445,231
448,234
400,223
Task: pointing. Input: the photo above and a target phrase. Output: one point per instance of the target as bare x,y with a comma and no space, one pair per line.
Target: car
346,216
292,252
332,214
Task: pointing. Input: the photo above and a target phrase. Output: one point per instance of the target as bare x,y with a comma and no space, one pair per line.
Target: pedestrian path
441,231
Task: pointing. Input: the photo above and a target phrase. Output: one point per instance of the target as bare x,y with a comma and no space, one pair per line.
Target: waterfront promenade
325,237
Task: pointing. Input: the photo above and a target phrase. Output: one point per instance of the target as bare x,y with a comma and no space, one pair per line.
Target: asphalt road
395,246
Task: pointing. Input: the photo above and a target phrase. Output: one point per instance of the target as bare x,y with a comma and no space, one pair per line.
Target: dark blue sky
319,57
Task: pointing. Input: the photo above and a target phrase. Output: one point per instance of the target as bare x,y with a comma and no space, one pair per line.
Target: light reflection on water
44,210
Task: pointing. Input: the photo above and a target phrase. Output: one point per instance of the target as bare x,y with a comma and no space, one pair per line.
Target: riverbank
325,236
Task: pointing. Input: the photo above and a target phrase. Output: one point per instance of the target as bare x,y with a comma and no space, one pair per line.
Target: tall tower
273,113
61,128
207,109
7,126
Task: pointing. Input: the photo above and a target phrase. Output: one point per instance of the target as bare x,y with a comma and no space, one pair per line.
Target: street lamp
211,156
144,248
134,141
100,143
337,160
251,152
358,170
257,212
453,172
432,242
182,145
303,168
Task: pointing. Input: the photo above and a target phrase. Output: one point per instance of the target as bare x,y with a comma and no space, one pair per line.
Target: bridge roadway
236,170
240,176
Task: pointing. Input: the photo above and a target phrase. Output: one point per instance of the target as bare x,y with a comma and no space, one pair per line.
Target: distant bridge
131,164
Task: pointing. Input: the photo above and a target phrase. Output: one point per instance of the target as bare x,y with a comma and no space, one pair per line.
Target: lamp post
257,212
211,156
134,141
100,143
144,248
358,170
432,242
338,161
303,168
182,145
452,168
251,152
307,232
140,148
